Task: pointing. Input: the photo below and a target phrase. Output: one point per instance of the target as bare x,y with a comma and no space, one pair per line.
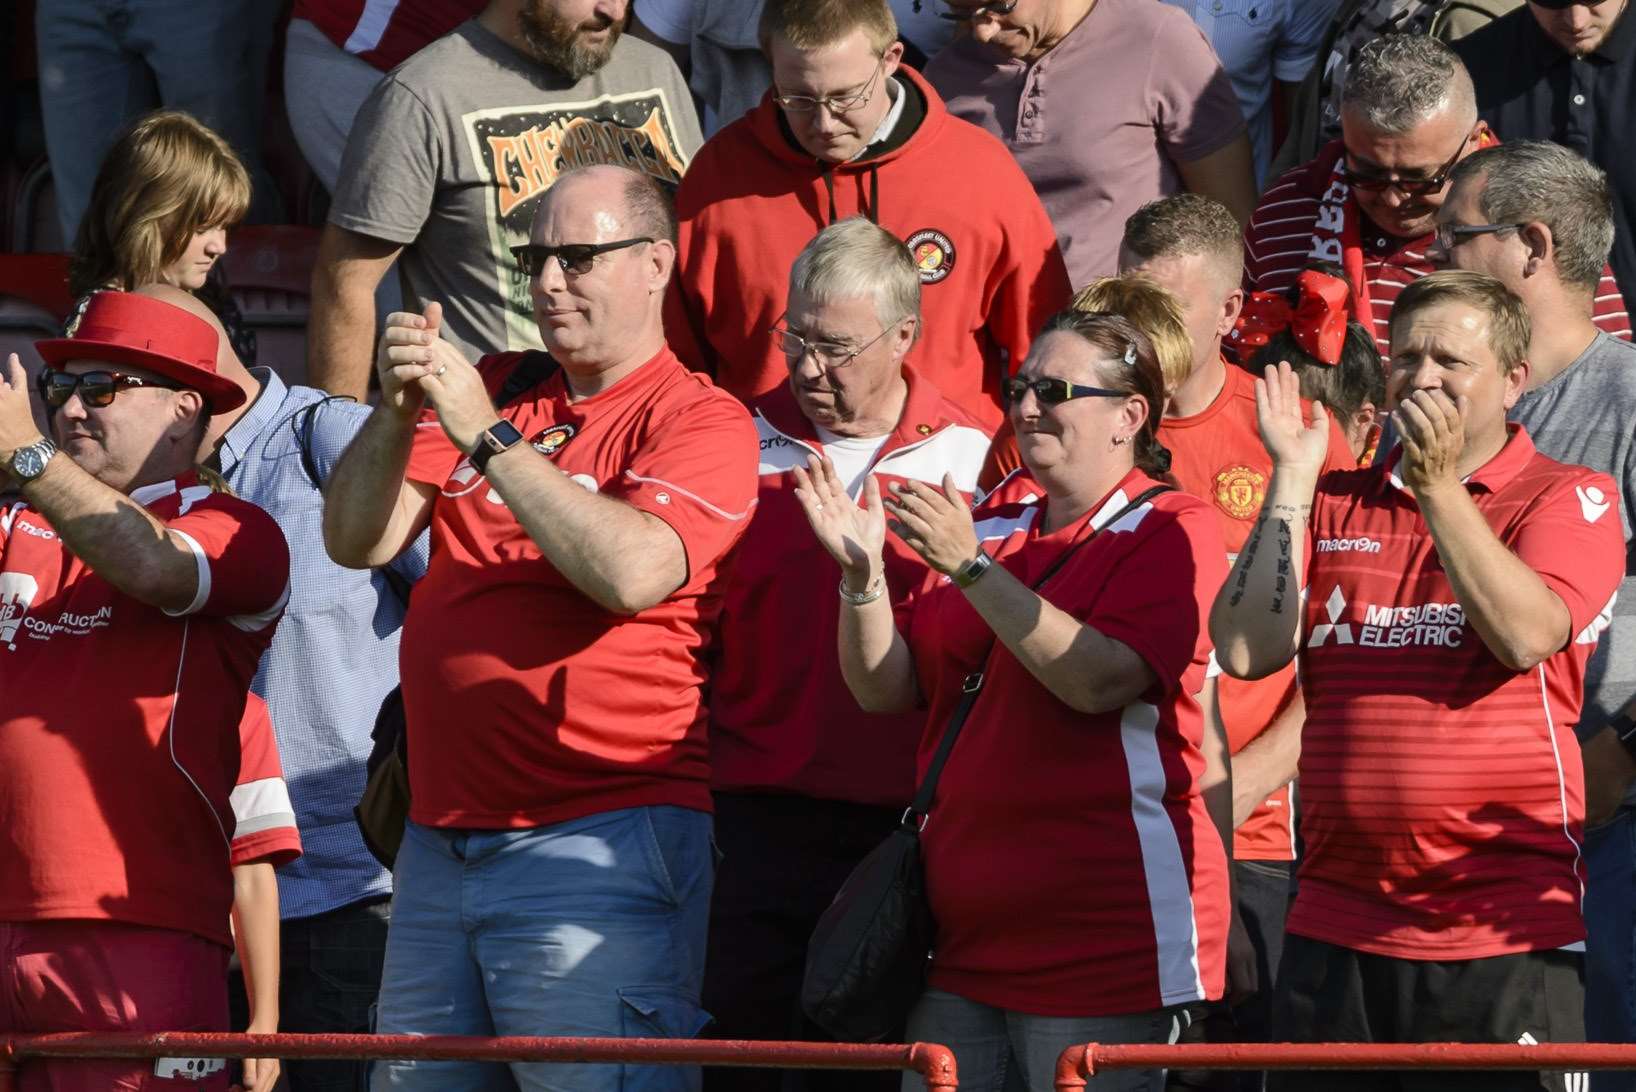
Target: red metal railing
1077,1063
934,1063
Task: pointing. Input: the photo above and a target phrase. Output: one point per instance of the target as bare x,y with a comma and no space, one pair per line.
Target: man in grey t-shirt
1540,218
450,154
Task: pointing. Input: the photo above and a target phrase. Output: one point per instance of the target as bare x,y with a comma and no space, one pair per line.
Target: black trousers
1261,897
1327,993
783,859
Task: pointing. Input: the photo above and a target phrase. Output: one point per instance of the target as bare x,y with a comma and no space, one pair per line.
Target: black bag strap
972,685
534,368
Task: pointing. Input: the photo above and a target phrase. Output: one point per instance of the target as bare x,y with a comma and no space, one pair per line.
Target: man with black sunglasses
584,503
1368,202
135,604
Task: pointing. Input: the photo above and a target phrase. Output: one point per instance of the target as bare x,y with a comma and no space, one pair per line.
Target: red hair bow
1318,322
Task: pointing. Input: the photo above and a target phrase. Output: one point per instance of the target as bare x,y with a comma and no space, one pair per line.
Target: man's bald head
228,363
632,202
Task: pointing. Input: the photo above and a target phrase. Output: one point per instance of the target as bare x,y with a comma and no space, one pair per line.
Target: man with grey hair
555,872
1540,219
1368,202
805,781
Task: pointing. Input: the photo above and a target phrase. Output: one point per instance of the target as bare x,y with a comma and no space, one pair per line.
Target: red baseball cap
159,337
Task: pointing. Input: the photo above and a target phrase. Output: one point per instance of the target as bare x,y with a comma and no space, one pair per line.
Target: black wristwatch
496,438
1622,724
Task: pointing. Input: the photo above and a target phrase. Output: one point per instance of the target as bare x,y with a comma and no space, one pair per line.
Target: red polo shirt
119,731
781,716
1217,455
528,704
1441,792
1070,862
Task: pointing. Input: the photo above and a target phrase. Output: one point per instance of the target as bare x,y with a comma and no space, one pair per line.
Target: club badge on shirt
1240,490
554,439
933,253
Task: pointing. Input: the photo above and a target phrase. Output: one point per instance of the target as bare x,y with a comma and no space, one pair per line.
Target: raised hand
1432,429
1294,443
17,425
936,524
853,535
405,357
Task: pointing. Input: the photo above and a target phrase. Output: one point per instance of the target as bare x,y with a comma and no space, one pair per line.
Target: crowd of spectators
1213,422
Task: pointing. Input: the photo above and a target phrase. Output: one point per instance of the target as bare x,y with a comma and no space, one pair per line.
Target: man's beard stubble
556,42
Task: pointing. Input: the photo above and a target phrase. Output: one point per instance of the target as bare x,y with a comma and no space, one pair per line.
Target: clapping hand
405,357
1294,443
934,523
853,535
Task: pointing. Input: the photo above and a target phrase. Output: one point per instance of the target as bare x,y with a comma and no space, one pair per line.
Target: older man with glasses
135,604
806,783
1368,202
848,130
555,873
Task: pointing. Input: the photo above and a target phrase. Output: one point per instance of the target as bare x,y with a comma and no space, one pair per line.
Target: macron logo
1592,502
1334,606
1348,545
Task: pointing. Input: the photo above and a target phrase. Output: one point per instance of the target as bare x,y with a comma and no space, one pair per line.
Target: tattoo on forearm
1246,561
1281,581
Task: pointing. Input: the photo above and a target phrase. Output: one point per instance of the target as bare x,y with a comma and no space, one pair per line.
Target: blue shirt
335,655
1259,41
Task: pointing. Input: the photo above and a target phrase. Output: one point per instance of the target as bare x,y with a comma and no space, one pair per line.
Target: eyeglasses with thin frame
835,104
95,388
1449,236
1052,391
966,15
828,354
575,259
1408,187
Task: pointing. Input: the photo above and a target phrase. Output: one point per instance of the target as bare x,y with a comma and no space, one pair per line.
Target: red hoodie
991,270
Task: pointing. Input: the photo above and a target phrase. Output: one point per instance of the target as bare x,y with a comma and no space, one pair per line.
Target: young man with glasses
805,782
135,604
1368,202
848,130
556,869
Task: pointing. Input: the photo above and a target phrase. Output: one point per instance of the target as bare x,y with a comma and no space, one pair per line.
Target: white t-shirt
852,456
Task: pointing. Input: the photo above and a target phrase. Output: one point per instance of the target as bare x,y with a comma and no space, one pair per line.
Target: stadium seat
269,269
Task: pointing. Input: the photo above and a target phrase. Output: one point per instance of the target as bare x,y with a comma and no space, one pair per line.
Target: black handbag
866,962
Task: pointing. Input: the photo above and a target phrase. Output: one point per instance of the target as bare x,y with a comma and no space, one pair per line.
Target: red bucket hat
142,332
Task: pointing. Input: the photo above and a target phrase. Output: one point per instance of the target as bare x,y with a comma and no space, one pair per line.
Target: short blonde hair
814,24
1509,330
166,177
1152,310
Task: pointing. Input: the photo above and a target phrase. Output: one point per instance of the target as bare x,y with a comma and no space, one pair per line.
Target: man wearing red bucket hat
135,603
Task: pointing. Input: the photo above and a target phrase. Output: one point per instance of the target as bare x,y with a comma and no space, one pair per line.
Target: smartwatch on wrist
969,573
498,437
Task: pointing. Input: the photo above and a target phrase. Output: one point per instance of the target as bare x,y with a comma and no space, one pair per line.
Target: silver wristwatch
28,463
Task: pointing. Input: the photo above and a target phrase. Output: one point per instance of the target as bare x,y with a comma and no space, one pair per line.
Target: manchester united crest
553,439
1240,490
933,253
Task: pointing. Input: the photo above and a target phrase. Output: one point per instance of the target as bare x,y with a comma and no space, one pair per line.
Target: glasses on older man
1449,236
966,15
829,354
575,259
95,388
1052,391
1372,182
835,104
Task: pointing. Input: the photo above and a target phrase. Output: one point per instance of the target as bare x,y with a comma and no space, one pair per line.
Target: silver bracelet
969,573
876,589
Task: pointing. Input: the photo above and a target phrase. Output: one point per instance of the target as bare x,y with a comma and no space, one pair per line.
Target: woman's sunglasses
1054,392
95,388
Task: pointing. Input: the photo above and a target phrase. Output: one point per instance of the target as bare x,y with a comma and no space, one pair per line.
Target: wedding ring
441,369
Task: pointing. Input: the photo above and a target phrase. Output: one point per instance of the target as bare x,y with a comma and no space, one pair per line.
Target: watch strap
43,449
1625,728
498,437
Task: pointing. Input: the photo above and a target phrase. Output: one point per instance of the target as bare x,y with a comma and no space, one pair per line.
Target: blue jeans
103,62
1610,946
592,927
997,1050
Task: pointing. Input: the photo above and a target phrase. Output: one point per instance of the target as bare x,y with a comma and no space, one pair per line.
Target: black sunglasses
1408,187
574,258
966,15
96,388
1053,392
